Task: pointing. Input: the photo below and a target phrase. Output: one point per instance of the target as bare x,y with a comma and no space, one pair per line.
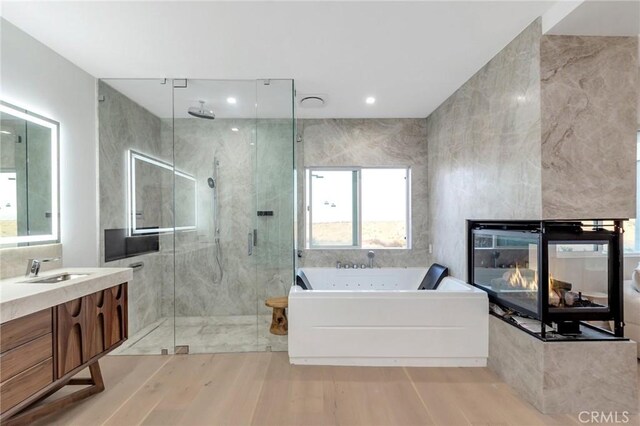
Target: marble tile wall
589,95
258,147
560,378
198,288
484,149
124,125
275,192
13,260
366,142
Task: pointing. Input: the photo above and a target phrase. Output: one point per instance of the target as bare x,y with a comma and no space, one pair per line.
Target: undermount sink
56,278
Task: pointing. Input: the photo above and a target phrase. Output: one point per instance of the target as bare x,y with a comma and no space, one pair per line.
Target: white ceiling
254,99
601,18
410,56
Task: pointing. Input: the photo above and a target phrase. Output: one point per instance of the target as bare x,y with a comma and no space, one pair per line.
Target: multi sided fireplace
565,275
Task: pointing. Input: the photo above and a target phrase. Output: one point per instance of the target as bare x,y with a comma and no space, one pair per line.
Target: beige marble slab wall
255,172
13,260
565,377
367,142
589,99
275,192
199,288
484,149
124,125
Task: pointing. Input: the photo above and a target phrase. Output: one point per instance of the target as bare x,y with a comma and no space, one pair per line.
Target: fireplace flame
517,280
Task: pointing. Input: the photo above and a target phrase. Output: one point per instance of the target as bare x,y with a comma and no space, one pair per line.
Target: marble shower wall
125,125
275,193
254,173
589,89
366,142
484,149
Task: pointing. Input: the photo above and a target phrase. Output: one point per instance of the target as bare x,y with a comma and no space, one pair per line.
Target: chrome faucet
371,255
338,265
33,266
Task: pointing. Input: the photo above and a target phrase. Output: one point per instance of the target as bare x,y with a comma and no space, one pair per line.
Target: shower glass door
136,186
196,194
233,201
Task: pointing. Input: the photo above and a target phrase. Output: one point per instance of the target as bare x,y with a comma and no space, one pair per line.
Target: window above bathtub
358,207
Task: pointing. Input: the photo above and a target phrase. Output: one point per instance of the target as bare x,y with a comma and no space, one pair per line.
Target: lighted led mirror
28,177
152,185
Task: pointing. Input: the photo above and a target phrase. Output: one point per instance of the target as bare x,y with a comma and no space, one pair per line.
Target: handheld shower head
211,182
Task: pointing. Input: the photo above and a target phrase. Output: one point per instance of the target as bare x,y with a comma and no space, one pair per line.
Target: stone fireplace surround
565,377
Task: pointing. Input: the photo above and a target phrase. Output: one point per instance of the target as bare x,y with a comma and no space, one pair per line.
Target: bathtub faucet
338,264
371,255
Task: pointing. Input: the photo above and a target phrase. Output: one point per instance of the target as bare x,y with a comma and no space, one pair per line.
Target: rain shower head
201,112
211,182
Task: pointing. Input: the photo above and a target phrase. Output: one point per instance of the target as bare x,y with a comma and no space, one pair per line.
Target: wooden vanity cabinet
41,352
89,326
26,357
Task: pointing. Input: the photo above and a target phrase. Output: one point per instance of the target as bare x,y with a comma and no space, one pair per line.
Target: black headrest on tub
302,280
435,274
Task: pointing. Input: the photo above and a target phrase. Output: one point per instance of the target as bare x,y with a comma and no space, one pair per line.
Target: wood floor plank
123,376
264,389
146,398
293,395
375,396
229,391
185,387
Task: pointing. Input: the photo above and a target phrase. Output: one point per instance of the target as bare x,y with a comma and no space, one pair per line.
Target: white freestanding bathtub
378,317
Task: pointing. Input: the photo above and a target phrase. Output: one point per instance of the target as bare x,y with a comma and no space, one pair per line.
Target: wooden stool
279,324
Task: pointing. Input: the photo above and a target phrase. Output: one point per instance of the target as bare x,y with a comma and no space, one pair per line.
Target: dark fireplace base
585,332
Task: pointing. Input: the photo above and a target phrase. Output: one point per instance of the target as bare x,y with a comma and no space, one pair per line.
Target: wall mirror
152,184
29,179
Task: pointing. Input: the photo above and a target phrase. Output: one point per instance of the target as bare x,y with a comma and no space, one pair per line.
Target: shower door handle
250,243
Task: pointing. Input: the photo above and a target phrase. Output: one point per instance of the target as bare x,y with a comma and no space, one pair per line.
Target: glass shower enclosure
197,195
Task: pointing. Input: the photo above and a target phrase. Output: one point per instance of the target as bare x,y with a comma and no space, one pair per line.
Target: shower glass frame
174,265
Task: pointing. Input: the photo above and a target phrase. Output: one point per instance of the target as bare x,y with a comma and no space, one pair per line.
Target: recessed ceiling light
371,100
4,132
234,129
231,100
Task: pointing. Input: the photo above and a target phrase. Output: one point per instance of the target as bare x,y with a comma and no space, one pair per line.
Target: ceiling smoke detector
312,101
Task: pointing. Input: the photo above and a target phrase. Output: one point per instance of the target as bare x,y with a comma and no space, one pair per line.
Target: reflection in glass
332,197
579,281
508,265
28,177
384,208
151,192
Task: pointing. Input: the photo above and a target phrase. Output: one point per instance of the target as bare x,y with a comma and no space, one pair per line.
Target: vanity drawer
22,330
25,356
25,384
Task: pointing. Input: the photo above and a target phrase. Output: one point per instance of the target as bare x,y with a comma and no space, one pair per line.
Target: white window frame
357,217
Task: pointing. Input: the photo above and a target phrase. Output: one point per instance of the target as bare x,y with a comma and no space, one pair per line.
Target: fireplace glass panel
578,276
508,266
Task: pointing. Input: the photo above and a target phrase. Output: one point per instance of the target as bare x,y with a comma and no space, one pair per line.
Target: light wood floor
263,389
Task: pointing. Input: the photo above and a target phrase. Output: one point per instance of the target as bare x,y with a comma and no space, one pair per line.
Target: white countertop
19,298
